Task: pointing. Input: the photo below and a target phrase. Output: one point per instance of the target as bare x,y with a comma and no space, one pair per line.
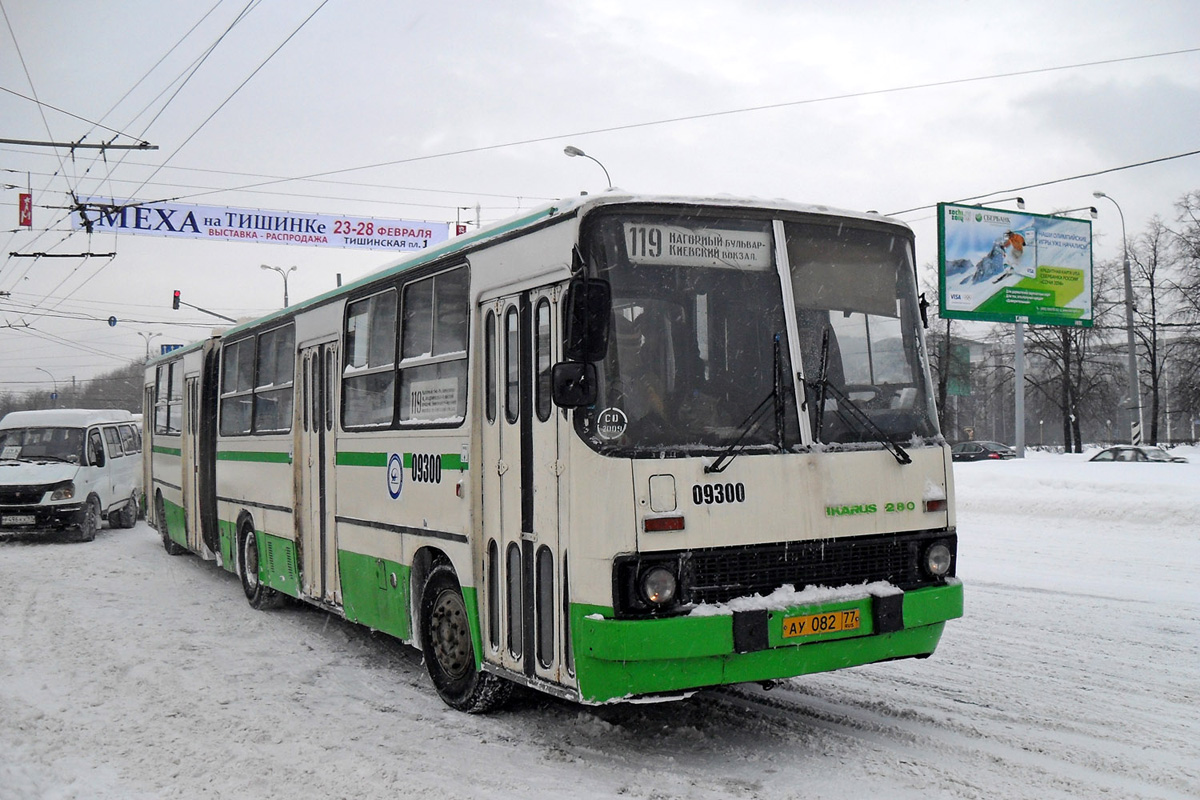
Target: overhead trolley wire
708,115
246,10
240,86
1146,163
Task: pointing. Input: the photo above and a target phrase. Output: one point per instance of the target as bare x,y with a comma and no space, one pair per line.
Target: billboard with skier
996,265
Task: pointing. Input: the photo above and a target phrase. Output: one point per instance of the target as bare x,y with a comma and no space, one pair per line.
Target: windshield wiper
823,386
755,418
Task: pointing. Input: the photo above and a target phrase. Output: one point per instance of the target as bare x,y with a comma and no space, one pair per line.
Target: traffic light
175,302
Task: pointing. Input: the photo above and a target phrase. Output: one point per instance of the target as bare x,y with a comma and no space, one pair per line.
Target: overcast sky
825,103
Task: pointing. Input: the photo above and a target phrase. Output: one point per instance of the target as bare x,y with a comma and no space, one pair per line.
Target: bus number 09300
708,493
426,468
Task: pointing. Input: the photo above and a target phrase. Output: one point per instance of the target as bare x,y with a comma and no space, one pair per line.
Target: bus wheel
449,652
90,524
258,594
172,547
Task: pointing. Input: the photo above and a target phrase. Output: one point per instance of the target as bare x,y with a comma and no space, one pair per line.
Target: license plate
18,519
815,624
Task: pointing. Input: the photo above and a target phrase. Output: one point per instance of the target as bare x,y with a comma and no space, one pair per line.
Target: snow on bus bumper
627,658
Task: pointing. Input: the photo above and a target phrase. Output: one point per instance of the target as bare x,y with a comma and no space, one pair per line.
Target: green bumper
618,659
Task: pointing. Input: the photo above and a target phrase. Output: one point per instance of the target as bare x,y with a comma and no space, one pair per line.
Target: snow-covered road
126,673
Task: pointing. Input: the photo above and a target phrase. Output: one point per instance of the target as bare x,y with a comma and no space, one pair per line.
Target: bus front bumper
624,659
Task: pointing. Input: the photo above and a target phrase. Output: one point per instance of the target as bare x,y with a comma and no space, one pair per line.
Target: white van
67,469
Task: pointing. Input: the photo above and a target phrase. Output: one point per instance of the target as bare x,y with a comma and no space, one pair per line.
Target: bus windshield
859,332
697,337
698,358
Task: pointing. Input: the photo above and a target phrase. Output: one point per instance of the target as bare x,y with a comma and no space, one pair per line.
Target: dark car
981,451
1127,452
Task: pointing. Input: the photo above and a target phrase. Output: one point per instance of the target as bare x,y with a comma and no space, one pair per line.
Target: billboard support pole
1019,389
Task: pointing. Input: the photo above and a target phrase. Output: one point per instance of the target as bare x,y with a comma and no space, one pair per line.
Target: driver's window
95,448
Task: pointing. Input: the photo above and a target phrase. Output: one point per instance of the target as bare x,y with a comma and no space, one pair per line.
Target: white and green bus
620,447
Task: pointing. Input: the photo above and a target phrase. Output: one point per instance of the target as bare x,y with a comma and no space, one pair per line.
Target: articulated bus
619,447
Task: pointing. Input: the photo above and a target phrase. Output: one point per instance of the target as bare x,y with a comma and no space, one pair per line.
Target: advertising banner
996,265
221,224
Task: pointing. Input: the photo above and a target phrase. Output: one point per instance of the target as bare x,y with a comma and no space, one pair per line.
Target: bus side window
433,349
545,606
369,376
489,361
512,366
273,386
237,386
542,359
493,581
516,614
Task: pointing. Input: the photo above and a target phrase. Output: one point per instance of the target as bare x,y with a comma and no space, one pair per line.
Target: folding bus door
191,462
525,546
314,476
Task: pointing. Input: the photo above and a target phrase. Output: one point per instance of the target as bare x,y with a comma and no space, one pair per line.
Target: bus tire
89,523
172,547
449,651
258,594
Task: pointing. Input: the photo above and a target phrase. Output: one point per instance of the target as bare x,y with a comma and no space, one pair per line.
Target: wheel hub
451,636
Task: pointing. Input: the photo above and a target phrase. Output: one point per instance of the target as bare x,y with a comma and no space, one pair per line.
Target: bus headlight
937,559
63,491
659,585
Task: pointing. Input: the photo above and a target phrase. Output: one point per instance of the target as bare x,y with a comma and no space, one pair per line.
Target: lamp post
575,151
148,337
54,396
284,273
1020,202
1090,209
1135,390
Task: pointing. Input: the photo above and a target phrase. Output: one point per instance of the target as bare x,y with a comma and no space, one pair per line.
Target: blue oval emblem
395,475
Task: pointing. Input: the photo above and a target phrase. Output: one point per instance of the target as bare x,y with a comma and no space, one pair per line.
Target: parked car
981,451
68,469
1129,452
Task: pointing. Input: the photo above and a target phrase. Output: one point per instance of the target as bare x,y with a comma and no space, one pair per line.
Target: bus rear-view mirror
573,384
588,306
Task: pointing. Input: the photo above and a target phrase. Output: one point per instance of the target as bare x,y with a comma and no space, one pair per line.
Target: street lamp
1090,209
575,151
148,337
284,273
1135,390
1020,201
54,396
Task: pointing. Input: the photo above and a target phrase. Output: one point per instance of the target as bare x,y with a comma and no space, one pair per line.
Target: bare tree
1153,259
1186,290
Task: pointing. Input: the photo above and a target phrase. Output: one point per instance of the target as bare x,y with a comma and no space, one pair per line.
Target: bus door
191,462
525,544
316,531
